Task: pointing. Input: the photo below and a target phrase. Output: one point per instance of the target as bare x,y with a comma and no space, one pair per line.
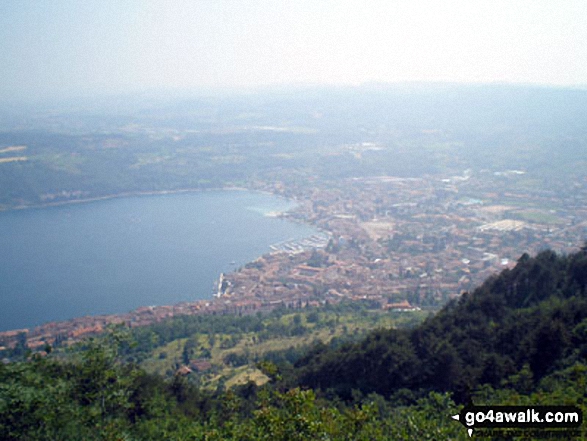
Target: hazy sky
50,48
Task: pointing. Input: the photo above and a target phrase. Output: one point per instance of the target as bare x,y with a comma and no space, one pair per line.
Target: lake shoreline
179,308
127,194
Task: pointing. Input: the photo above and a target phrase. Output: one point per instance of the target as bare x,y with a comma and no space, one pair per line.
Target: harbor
291,246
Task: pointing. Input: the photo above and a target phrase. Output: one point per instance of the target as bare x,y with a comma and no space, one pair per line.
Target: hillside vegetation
520,338
526,322
235,345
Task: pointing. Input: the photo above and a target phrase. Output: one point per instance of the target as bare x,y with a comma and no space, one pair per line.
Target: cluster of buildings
392,241
422,239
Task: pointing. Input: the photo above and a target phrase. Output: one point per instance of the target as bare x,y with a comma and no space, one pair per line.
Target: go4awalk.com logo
558,420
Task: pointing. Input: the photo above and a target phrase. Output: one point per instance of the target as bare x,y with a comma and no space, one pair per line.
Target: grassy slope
331,324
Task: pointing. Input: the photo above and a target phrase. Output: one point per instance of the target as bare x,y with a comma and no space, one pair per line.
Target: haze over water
115,255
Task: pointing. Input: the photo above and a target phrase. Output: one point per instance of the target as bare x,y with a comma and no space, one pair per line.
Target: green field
234,355
538,216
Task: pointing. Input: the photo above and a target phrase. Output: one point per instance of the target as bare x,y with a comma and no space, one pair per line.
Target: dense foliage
98,398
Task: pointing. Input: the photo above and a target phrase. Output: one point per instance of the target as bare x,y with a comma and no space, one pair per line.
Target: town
399,243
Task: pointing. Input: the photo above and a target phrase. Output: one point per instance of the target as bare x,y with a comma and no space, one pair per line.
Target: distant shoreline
130,194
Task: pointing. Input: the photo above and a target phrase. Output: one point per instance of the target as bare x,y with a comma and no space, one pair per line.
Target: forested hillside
526,322
520,338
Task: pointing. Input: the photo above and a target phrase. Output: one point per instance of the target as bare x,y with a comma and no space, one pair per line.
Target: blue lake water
116,255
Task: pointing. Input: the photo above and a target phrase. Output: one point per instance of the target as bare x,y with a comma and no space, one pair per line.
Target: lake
114,255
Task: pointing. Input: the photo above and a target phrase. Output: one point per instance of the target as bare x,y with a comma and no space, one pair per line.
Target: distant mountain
510,332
